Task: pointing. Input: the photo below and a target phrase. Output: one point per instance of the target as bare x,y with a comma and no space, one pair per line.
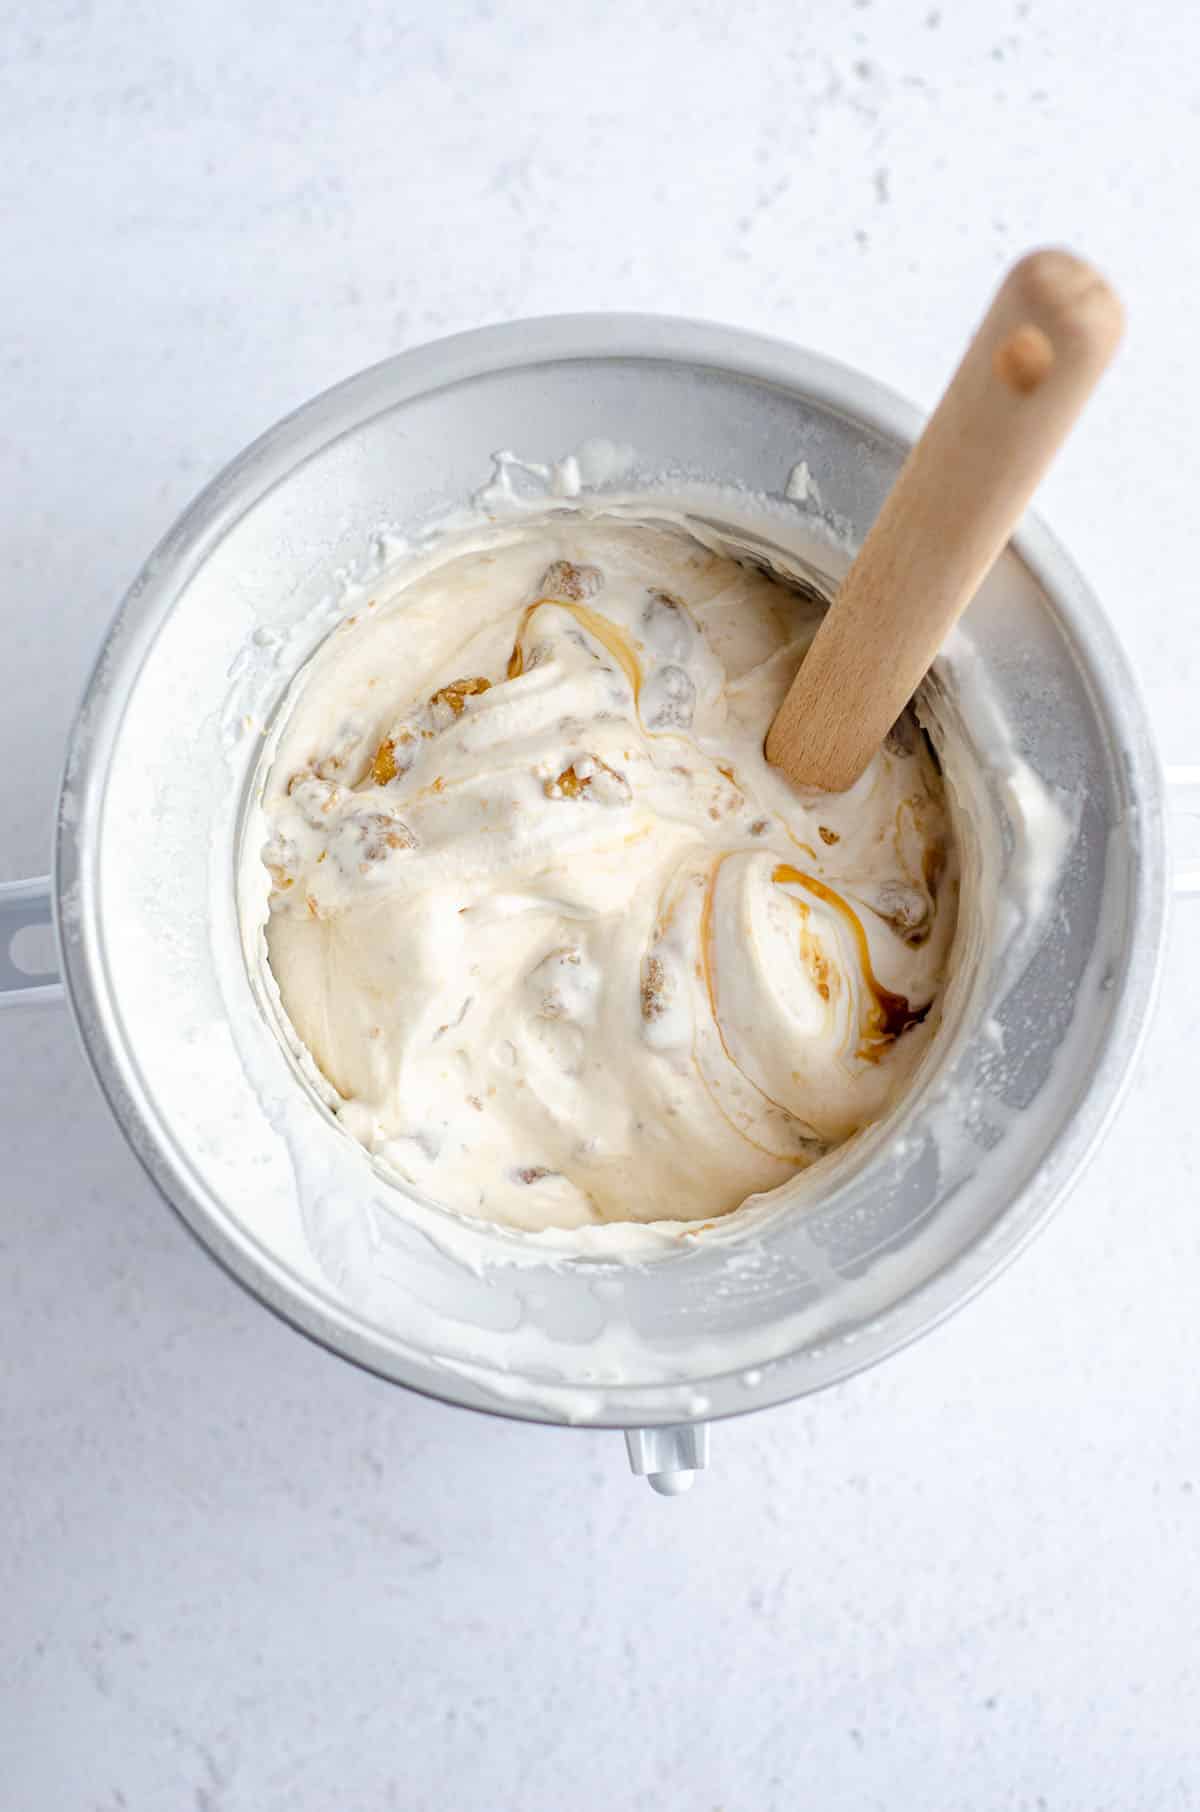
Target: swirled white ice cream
565,947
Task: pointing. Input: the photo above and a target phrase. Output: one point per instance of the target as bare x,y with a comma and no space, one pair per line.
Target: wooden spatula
1041,348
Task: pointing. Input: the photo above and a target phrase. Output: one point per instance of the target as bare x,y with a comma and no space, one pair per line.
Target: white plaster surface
237,1576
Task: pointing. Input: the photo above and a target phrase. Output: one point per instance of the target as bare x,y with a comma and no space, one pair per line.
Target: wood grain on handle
1045,341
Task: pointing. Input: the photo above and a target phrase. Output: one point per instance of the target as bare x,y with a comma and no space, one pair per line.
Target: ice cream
564,947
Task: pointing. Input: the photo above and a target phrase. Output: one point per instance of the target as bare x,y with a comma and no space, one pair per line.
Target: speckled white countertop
236,1575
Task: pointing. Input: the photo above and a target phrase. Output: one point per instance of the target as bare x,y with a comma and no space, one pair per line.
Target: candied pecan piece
456,694
589,777
563,579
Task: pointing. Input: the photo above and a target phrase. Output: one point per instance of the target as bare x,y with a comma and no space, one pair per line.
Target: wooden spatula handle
1049,334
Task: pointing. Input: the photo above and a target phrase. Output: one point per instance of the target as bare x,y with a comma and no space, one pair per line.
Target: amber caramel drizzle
604,632
808,849
706,913
892,1013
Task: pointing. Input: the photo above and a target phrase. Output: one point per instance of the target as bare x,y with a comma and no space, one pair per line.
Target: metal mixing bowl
148,833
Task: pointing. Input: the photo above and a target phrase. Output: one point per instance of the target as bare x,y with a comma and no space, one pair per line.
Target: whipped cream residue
561,945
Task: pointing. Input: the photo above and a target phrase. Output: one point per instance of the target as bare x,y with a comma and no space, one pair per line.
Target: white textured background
235,1575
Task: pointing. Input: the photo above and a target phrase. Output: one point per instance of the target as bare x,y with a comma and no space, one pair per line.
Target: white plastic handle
25,906
668,1458
1183,788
